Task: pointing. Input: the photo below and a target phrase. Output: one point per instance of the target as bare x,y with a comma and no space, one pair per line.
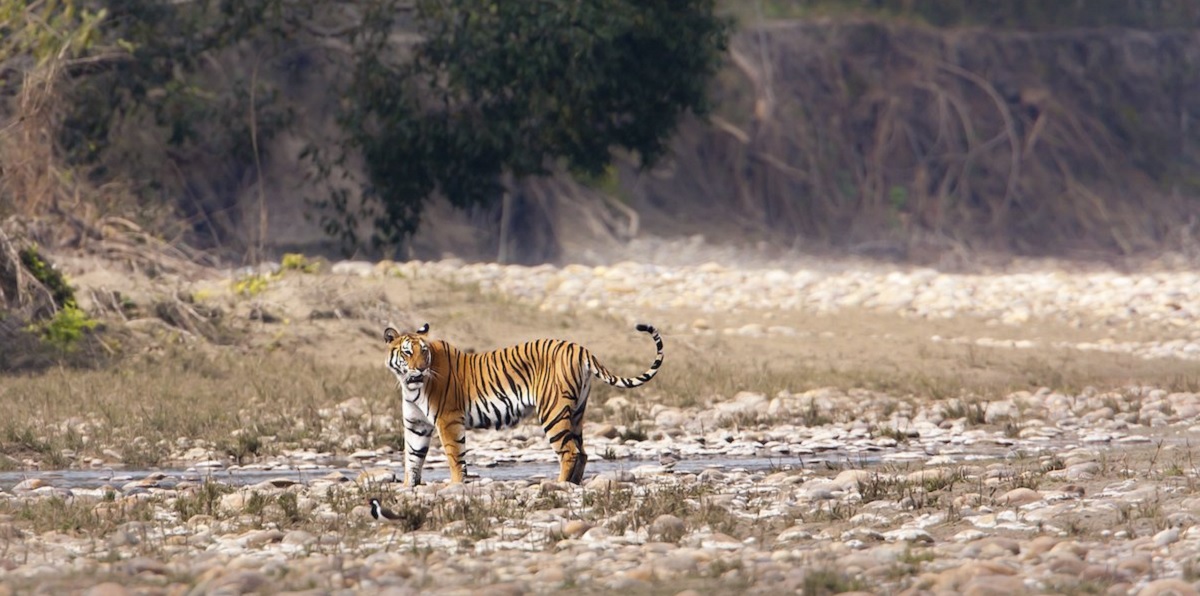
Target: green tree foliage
197,113
446,96
496,89
46,30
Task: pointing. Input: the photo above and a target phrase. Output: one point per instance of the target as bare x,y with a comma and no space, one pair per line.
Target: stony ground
819,428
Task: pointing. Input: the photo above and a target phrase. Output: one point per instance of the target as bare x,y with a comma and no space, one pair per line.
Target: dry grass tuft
236,406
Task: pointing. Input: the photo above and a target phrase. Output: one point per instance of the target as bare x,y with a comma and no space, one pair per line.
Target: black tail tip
644,328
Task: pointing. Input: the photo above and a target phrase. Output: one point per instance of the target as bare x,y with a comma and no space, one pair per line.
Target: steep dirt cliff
896,140
887,137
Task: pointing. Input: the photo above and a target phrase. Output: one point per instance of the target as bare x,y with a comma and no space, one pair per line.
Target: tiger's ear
390,335
423,329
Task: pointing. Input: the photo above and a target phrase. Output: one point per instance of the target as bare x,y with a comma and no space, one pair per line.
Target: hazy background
919,131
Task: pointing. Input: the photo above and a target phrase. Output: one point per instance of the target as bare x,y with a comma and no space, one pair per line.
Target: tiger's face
409,357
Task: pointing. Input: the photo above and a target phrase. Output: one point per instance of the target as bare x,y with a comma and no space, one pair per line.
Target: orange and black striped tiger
449,390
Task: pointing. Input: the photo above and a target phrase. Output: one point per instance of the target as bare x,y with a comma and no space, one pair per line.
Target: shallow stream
305,473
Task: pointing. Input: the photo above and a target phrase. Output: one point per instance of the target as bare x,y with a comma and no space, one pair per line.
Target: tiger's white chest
417,402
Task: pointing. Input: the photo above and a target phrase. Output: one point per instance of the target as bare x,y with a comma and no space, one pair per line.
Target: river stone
575,528
670,418
1020,496
607,431
144,565
720,541
236,582
955,578
668,527
990,548
1138,564
995,586
29,484
909,535
552,574
1167,587
794,534
232,503
107,589
641,572
299,538
610,479
353,268
1099,573
120,538
1166,537
596,534
851,479
628,585
1066,565
259,538
376,475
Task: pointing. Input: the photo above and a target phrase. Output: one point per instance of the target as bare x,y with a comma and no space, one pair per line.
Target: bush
67,327
48,276
298,262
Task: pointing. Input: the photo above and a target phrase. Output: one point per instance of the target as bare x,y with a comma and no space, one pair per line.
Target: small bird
668,458
379,512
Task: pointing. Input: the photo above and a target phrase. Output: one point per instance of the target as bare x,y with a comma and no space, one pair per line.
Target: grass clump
205,500
239,407
247,444
55,514
281,510
634,432
925,491
252,285
973,411
298,262
828,581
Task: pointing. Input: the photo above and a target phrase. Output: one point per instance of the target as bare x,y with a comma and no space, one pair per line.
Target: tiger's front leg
417,434
454,441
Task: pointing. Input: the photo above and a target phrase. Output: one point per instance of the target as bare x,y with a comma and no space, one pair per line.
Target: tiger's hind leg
572,459
577,468
564,427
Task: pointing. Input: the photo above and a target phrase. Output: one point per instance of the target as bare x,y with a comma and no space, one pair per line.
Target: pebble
107,589
1020,496
1167,587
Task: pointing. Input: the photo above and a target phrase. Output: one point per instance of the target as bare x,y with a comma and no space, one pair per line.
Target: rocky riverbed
1167,298
1056,488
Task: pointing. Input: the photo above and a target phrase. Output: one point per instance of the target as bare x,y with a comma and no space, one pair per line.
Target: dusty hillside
878,137
890,140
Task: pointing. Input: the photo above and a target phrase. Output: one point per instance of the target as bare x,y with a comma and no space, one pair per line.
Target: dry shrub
887,136
32,181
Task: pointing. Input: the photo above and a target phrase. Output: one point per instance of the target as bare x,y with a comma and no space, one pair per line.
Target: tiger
450,390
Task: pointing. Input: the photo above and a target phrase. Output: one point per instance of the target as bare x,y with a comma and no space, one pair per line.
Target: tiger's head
409,357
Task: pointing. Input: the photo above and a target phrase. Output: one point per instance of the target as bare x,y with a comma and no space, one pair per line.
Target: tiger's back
498,389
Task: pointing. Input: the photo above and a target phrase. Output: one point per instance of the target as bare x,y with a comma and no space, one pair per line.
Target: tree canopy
496,89
431,97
